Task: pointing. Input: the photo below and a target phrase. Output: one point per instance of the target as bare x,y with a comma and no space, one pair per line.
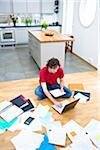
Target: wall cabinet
5,6
47,6
19,6
33,6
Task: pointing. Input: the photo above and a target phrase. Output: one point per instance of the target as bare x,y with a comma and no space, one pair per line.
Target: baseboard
85,60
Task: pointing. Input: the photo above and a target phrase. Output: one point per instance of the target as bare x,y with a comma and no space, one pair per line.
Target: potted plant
28,21
14,19
44,25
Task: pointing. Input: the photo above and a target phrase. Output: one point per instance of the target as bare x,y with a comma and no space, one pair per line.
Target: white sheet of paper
57,136
11,113
83,98
56,92
93,130
60,109
40,111
71,127
81,144
27,140
4,104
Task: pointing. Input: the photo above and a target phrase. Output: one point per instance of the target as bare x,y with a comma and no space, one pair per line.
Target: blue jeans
39,91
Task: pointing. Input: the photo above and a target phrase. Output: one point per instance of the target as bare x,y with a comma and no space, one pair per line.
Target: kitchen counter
5,25
57,37
42,47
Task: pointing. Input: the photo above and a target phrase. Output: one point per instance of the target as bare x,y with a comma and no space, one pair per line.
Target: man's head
53,65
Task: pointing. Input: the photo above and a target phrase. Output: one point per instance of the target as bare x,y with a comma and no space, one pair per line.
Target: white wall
67,16
87,39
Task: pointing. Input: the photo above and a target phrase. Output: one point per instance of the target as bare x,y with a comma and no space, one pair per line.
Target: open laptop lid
70,105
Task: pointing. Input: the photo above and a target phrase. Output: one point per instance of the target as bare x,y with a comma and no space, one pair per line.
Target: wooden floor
82,113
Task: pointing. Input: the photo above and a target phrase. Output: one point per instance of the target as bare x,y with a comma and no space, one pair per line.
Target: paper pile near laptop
12,109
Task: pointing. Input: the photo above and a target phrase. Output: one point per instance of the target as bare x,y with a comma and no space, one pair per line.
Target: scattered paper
4,105
83,98
41,111
57,136
27,140
93,130
11,113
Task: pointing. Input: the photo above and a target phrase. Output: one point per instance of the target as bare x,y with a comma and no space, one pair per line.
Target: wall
67,16
87,39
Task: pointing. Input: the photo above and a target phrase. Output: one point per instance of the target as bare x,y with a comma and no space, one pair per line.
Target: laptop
66,105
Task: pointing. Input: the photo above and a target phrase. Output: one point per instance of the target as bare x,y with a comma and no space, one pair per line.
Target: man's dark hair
53,63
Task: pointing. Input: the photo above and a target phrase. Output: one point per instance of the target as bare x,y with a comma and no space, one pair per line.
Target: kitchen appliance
7,37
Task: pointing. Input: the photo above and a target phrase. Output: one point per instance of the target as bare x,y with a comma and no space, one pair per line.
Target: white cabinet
43,51
19,6
33,6
21,34
5,6
47,6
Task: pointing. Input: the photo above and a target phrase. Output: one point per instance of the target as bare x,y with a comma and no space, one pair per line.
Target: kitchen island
43,47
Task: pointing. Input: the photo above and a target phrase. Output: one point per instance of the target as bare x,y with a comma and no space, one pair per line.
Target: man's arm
46,92
62,84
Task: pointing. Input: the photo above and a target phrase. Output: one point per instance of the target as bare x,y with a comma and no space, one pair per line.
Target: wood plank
82,113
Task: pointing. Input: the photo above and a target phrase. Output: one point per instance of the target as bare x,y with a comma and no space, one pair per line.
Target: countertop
57,37
5,25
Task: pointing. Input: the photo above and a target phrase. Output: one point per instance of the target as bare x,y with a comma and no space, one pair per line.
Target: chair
69,45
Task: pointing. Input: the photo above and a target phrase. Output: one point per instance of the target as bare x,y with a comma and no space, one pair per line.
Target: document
27,140
83,98
11,113
57,92
57,136
82,144
74,130
41,111
93,130
4,105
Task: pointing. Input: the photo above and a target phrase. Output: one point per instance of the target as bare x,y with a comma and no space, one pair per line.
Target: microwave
7,36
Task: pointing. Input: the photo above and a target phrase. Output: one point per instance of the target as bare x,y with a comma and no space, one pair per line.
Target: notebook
20,101
66,105
56,93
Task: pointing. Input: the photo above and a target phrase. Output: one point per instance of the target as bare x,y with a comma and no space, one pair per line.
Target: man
48,81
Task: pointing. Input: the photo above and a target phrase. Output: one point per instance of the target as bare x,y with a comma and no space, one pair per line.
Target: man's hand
62,90
58,104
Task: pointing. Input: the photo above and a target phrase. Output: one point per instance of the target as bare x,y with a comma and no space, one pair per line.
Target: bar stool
69,45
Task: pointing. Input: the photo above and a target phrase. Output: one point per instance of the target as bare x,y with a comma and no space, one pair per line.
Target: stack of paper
4,105
11,113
